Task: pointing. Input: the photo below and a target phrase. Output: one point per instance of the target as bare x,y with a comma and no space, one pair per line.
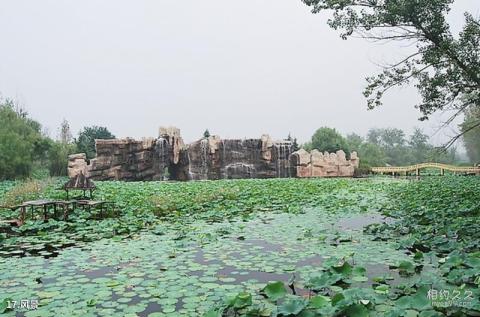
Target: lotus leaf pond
278,247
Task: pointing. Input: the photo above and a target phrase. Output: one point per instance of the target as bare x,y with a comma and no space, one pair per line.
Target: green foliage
391,146
206,134
225,239
354,141
444,67
241,300
393,143
292,306
328,139
58,157
4,305
142,204
295,145
65,135
419,146
471,129
307,146
20,142
275,290
25,152
319,301
86,139
27,190
438,214
371,155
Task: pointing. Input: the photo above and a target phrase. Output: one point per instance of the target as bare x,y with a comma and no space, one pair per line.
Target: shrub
27,190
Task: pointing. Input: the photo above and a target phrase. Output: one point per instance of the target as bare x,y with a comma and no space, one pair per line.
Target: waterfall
162,160
162,148
224,154
287,161
279,149
161,163
190,174
204,155
282,150
224,159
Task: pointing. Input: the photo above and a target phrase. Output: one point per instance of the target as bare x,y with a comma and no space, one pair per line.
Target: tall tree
393,143
65,134
58,157
295,146
354,141
471,137
21,141
387,137
419,146
328,139
371,155
86,139
444,67
60,149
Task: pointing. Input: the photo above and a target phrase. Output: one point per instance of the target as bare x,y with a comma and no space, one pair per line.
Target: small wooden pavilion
82,183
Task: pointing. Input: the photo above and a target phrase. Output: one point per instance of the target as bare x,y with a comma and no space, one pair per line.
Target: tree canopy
20,141
27,152
391,146
471,137
86,139
444,67
328,139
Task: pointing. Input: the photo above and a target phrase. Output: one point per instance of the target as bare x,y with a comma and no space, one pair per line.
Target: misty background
238,68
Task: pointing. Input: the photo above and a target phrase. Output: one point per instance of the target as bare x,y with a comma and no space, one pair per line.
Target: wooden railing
417,167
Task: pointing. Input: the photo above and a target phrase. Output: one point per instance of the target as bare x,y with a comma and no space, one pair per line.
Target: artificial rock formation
318,164
214,158
209,158
126,159
129,159
77,164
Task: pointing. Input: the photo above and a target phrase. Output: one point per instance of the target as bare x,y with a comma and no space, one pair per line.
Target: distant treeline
26,151
381,147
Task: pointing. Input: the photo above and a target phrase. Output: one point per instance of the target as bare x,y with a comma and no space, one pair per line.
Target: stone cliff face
129,159
209,158
214,158
77,163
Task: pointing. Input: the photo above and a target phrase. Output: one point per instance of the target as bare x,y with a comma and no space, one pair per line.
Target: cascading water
287,159
204,155
282,150
224,153
161,157
278,147
190,174
224,159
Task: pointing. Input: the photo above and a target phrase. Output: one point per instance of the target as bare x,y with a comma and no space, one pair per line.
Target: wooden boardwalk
417,167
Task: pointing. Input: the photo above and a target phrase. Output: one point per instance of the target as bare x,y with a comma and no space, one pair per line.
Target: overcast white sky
238,68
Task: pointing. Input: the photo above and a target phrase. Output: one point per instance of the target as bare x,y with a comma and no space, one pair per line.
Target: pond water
167,275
